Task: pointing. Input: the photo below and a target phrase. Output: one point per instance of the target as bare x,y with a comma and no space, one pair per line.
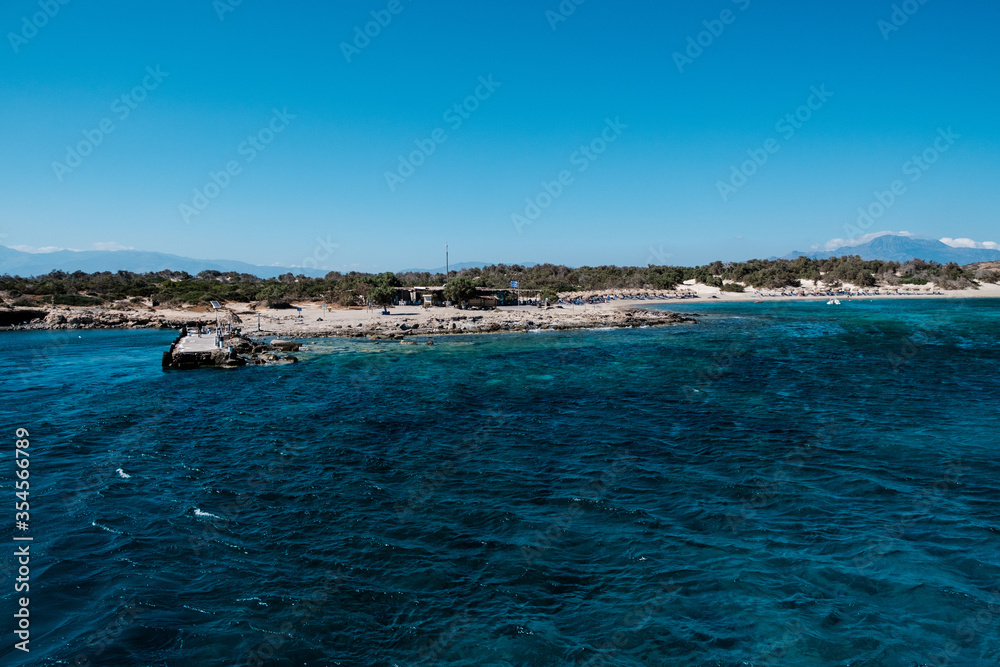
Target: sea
781,483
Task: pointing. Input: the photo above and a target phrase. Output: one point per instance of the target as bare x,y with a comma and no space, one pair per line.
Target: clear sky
311,118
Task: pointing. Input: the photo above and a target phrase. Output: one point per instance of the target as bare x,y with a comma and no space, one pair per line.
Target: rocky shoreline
270,345
425,323
65,317
490,322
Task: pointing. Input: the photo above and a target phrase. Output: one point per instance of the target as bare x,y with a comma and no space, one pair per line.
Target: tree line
354,288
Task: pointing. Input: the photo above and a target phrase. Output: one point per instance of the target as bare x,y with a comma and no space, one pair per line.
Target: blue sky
312,131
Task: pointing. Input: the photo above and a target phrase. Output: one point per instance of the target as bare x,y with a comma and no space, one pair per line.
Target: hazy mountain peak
899,248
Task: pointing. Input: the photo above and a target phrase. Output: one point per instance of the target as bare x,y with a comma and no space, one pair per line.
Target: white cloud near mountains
836,244
99,245
37,251
969,243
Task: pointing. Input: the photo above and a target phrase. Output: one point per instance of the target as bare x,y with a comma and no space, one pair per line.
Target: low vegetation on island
348,289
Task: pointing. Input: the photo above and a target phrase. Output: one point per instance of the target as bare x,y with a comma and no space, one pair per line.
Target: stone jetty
191,350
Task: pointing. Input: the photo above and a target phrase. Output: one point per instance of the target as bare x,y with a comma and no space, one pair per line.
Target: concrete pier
194,351
196,343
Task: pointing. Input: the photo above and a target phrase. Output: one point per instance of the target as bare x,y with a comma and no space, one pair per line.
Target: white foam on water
110,530
196,609
259,601
199,513
123,474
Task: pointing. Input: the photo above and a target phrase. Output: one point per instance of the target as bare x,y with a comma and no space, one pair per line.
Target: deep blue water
780,484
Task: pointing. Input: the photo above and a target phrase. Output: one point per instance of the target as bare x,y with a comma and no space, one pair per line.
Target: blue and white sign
514,284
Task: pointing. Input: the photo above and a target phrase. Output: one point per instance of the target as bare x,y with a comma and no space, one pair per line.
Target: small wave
110,530
123,474
206,515
231,545
259,601
196,609
270,632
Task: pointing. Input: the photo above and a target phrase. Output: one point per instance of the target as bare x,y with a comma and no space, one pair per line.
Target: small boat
833,302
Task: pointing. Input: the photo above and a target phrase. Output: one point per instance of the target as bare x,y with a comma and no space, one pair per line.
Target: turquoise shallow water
780,484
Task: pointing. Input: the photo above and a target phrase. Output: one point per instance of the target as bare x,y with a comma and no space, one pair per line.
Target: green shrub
460,290
76,300
382,294
25,302
987,276
732,287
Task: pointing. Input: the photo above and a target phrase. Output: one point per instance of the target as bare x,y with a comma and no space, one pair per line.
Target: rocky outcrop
19,317
239,351
61,317
425,324
501,321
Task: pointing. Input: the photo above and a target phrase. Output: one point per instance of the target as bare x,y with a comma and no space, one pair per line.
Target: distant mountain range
890,247
896,248
27,264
